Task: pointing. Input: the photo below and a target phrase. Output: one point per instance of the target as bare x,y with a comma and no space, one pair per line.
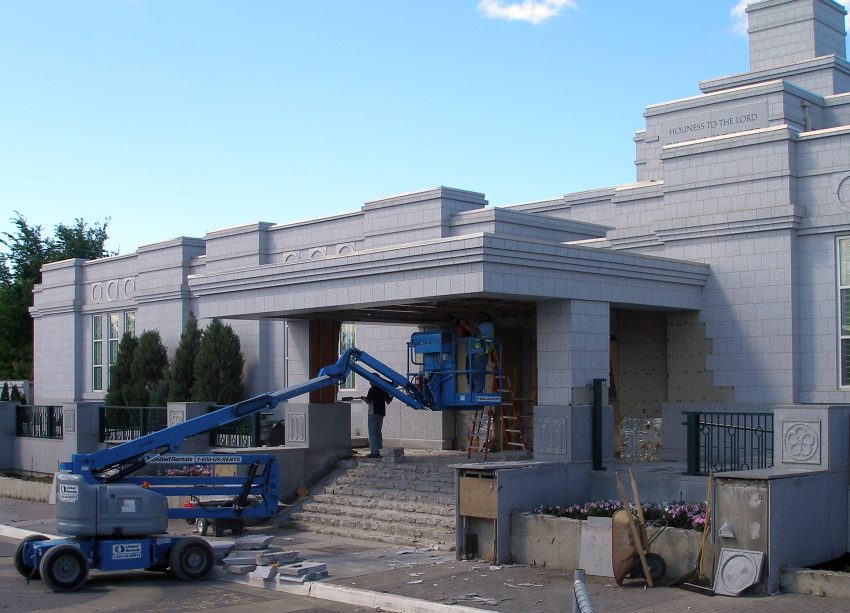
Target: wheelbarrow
626,552
630,554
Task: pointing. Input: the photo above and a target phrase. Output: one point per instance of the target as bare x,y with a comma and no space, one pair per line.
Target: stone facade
729,230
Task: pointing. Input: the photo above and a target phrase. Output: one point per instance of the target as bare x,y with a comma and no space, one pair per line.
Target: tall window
844,309
116,325
346,341
114,339
97,353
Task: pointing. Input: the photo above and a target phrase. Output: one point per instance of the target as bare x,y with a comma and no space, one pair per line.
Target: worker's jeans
478,362
376,439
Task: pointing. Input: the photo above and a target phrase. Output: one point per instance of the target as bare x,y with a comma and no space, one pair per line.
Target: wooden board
478,497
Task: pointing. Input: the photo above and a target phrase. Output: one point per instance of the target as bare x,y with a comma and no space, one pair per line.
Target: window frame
842,243
114,324
97,352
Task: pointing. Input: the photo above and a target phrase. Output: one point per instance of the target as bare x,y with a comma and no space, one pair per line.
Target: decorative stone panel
801,442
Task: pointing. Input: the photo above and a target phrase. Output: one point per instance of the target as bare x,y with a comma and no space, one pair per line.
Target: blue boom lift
117,520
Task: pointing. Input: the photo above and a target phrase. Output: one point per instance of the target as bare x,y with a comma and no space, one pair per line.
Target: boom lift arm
113,464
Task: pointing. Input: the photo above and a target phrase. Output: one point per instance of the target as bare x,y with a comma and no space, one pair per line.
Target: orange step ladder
510,418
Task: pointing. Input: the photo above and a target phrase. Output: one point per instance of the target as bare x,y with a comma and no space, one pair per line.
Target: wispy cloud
532,11
739,16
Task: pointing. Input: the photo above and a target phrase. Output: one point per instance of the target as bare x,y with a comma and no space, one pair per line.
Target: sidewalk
414,580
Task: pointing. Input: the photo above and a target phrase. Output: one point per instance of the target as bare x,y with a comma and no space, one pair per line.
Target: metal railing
242,433
727,441
119,424
38,421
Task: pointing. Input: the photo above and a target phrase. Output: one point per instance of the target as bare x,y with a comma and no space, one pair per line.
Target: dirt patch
30,477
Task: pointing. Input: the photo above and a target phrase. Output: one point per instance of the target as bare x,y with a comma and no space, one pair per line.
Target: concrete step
417,485
374,499
368,472
447,544
369,528
380,515
391,494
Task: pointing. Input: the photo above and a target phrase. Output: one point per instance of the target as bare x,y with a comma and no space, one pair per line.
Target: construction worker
377,399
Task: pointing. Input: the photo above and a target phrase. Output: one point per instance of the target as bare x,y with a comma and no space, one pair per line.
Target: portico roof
434,280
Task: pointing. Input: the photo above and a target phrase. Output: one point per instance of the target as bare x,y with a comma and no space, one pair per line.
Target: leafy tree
119,374
27,250
78,241
218,365
181,373
147,370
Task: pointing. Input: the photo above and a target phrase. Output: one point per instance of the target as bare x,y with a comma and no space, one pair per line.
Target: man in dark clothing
377,399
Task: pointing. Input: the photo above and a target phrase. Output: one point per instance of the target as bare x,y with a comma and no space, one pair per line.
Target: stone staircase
406,503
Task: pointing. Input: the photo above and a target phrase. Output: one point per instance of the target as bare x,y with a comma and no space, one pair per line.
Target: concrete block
291,579
302,568
254,541
277,557
241,557
264,572
240,569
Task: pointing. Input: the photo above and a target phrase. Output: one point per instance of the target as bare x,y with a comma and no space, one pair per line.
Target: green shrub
218,366
181,373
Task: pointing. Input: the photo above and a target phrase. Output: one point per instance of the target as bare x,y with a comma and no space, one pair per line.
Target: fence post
692,442
255,430
596,424
8,424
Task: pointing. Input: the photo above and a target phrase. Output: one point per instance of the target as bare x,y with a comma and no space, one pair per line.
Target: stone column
298,353
178,412
572,350
80,427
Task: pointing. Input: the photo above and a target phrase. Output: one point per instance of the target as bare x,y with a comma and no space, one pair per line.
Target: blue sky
174,118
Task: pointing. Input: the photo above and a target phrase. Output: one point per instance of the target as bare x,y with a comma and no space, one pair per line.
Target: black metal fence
119,424
38,421
242,433
727,441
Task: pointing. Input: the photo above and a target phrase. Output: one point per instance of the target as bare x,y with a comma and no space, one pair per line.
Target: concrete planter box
556,543
25,490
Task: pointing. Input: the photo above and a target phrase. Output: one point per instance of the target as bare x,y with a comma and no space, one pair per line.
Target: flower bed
672,514
564,538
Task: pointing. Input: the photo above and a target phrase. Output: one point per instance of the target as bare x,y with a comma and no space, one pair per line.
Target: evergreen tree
181,373
147,370
218,366
16,395
119,374
4,395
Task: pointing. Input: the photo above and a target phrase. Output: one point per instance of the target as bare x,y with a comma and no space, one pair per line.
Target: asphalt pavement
363,576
